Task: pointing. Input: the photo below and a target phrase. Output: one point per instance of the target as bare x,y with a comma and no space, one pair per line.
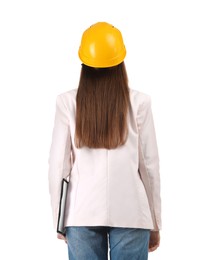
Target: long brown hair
102,104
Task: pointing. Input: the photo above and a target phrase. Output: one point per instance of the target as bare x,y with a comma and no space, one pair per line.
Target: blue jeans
91,243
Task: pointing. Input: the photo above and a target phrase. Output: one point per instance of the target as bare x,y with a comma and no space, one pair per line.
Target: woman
104,144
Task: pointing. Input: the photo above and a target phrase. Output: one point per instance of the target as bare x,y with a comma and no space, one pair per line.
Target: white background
38,60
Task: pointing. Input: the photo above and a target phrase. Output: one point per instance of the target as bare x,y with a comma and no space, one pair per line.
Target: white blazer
117,187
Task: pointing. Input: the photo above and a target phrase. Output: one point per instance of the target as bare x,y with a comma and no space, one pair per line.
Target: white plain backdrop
39,41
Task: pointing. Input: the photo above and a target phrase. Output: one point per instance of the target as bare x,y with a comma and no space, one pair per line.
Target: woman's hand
154,240
60,236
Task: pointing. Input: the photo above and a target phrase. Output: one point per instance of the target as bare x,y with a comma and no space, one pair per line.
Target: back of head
103,95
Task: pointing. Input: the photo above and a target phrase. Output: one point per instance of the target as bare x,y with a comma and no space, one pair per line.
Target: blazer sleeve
149,160
59,156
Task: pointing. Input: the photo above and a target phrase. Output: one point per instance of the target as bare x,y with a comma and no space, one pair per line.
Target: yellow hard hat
102,46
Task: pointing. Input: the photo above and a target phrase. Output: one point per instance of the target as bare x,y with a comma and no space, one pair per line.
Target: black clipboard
62,207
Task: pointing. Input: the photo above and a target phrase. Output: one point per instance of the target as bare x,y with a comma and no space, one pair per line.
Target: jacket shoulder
67,97
68,94
140,98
